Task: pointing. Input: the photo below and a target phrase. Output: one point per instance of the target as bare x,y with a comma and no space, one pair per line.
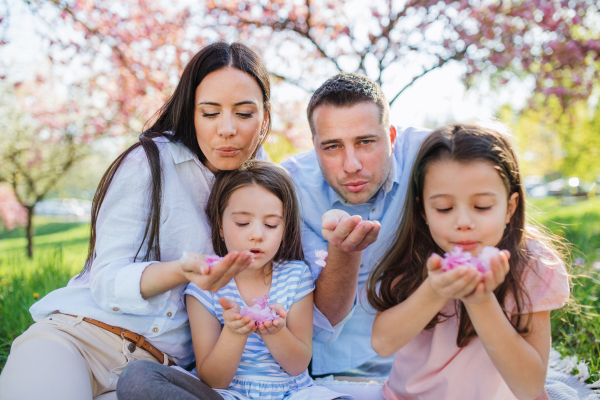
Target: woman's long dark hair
272,178
413,243
175,121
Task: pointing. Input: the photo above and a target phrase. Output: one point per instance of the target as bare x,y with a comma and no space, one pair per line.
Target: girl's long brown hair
272,178
175,121
413,244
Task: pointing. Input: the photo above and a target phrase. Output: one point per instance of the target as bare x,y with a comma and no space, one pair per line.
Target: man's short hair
345,90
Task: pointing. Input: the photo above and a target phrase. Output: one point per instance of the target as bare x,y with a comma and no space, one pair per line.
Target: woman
148,210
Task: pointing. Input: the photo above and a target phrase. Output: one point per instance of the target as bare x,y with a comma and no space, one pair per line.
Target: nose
226,125
464,221
351,162
257,234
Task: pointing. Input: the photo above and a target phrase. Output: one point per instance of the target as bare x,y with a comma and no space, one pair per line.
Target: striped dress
259,376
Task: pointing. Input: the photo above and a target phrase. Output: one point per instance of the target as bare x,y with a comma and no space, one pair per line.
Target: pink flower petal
458,257
261,311
212,260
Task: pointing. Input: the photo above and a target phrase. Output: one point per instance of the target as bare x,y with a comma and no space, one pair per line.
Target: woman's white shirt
110,292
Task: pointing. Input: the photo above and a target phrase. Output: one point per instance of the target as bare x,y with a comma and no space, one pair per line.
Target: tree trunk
29,231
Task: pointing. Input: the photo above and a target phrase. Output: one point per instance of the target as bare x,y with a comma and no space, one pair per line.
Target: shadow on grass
41,229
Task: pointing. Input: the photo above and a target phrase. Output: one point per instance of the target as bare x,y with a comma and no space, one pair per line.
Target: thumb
226,303
279,309
434,262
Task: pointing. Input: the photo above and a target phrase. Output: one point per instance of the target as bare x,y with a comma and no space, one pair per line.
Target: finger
356,236
434,262
332,218
370,237
469,279
346,226
469,287
235,264
279,309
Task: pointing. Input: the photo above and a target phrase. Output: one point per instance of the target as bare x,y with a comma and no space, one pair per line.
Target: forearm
218,368
395,327
517,361
160,278
291,353
335,288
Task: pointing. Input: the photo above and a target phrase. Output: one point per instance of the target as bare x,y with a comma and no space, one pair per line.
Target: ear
513,202
221,233
393,134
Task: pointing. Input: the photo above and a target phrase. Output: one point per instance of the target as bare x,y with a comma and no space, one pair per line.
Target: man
359,168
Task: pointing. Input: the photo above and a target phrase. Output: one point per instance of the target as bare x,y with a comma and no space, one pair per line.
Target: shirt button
155,329
169,314
115,309
373,210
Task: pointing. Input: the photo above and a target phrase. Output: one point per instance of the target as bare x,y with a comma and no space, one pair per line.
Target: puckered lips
227,151
356,186
466,245
257,252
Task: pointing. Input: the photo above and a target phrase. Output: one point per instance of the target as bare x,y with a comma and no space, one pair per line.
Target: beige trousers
63,357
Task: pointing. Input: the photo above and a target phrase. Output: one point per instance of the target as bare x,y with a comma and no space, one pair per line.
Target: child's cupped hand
491,280
455,284
234,320
272,327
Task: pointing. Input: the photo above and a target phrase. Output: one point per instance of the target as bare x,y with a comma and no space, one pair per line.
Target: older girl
461,334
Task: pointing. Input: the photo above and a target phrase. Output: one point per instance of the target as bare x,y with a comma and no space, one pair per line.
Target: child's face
466,205
253,220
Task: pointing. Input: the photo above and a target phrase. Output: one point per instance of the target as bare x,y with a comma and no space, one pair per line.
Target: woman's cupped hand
196,269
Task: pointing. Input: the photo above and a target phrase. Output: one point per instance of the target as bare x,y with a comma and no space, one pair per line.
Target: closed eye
443,210
209,115
483,208
241,223
245,115
271,226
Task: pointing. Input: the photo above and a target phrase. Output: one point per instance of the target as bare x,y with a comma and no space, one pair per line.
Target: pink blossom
458,257
261,311
212,260
321,255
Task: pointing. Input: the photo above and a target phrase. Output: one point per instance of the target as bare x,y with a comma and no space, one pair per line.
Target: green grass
576,331
61,247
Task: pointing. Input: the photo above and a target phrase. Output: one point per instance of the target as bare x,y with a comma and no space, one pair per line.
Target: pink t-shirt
432,367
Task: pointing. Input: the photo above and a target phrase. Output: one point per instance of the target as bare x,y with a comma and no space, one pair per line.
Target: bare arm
290,341
218,352
522,361
335,288
161,277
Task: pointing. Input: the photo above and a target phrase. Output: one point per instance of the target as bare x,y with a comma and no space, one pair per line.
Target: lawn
61,247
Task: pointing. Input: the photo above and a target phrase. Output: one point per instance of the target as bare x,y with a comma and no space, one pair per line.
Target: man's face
353,149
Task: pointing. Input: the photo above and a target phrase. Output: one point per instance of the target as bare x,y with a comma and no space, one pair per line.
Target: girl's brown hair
413,243
272,178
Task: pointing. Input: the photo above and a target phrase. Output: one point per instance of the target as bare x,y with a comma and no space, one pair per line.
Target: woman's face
229,118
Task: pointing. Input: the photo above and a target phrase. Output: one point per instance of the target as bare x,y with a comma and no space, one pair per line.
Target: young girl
459,334
256,209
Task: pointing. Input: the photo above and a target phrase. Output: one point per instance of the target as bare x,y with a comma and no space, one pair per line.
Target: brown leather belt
139,340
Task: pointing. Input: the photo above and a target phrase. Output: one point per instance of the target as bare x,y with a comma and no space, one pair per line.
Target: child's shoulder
545,279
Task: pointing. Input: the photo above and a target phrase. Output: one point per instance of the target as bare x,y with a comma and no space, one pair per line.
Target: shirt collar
387,186
181,153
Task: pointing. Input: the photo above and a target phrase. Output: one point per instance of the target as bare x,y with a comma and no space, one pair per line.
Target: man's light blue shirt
348,344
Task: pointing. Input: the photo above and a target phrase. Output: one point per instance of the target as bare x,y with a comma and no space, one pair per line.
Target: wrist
432,293
340,254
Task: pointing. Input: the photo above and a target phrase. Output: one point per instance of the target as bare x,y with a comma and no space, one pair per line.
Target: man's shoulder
301,164
410,137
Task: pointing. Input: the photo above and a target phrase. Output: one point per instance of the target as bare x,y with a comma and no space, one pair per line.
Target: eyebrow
240,103
249,213
356,138
435,196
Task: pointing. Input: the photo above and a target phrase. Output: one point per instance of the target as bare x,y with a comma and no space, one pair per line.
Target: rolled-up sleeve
323,331
117,269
